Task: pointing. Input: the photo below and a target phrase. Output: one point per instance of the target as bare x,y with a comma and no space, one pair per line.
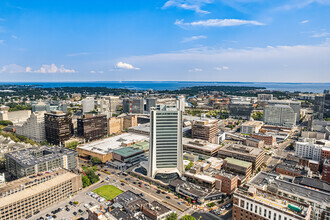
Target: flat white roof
106,145
208,146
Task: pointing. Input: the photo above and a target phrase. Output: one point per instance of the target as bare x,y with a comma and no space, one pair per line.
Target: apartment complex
23,197
252,203
294,105
245,153
92,127
150,103
229,181
121,123
88,104
39,159
135,105
205,129
265,97
165,153
279,115
326,171
310,150
58,127
318,200
33,127
109,105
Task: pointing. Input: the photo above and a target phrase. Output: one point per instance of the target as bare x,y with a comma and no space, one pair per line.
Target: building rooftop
238,162
266,179
32,156
127,151
242,149
107,145
157,208
141,145
314,183
253,123
200,144
201,177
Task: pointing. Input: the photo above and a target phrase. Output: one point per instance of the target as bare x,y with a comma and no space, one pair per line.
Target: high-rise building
88,104
240,110
205,129
181,103
319,106
310,150
295,105
92,127
109,105
49,106
135,105
33,127
280,115
58,127
39,159
326,104
265,97
150,103
166,153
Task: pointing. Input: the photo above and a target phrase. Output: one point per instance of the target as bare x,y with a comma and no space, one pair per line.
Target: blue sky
193,40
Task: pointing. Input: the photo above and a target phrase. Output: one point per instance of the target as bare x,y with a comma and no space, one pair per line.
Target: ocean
173,85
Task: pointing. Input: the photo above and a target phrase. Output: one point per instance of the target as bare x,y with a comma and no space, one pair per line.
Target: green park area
108,192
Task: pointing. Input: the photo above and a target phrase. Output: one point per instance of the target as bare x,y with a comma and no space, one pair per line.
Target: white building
250,127
181,103
109,105
279,115
88,104
166,151
33,127
309,150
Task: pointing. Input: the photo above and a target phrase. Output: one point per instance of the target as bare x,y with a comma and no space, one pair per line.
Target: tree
189,166
188,217
96,160
172,216
6,122
211,204
189,199
85,181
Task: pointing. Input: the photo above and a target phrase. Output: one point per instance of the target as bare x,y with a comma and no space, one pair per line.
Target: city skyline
183,40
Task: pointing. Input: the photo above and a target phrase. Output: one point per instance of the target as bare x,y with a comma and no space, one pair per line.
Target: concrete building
39,159
128,155
103,149
15,116
39,106
326,171
245,153
265,97
240,110
166,153
150,103
109,105
205,129
181,103
268,139
238,166
92,127
33,127
250,127
309,150
156,211
21,198
293,192
295,105
88,104
200,147
279,115
122,123
257,204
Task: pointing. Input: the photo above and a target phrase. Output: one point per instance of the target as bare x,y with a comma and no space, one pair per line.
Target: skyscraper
280,115
165,154
88,104
58,127
150,103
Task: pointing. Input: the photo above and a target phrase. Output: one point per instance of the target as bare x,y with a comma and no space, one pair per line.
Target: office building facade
88,104
150,103
165,153
240,110
58,127
205,129
33,127
279,115
295,105
92,127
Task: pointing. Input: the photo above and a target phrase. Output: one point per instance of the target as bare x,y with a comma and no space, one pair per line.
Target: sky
165,40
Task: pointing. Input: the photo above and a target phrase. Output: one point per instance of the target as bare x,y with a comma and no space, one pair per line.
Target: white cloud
196,70
192,5
217,23
77,54
12,68
219,68
94,71
193,38
52,68
323,34
304,21
127,66
298,4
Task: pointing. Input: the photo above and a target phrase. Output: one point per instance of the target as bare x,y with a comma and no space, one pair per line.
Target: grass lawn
108,191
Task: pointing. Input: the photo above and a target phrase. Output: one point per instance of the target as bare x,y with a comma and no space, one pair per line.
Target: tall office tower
88,104
33,127
205,129
181,102
58,127
280,115
92,127
109,105
150,103
319,106
295,105
240,110
165,154
135,105
326,104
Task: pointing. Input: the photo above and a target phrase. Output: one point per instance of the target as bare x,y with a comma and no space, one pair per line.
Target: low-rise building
200,147
128,155
156,210
250,127
238,166
23,197
326,171
229,181
310,150
268,139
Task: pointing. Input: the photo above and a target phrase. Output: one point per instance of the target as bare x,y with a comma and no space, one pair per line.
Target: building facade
279,115
33,127
58,127
205,129
309,150
92,127
88,104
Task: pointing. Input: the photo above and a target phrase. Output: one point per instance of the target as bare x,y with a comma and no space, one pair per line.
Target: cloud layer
193,38
127,66
52,68
192,5
217,23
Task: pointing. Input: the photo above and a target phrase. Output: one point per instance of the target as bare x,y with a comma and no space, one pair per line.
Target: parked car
167,197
